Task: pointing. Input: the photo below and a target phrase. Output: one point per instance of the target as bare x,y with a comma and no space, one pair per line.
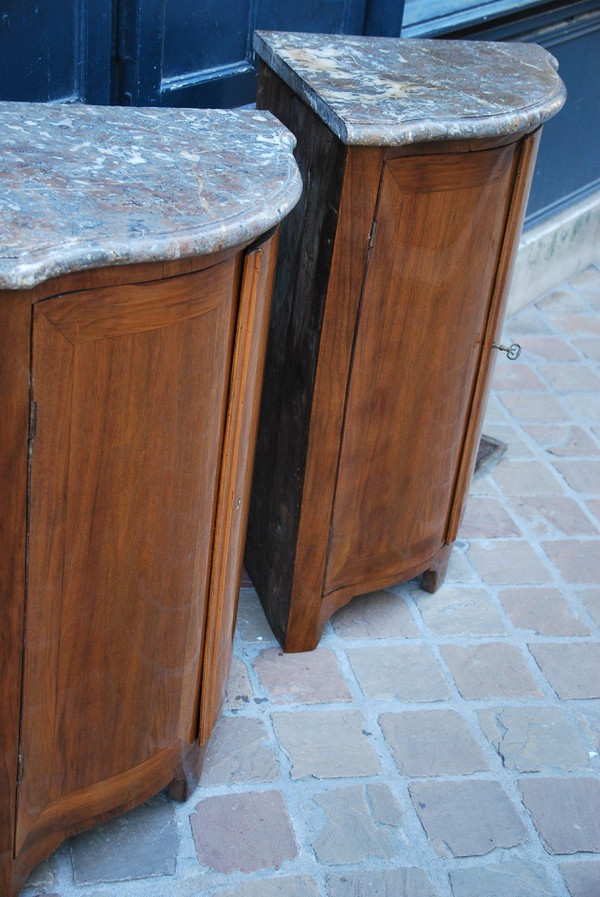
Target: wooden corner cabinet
389,294
137,254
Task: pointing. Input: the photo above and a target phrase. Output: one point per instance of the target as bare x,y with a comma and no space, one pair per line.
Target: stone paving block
459,568
565,812
564,441
544,611
507,561
510,878
593,506
238,751
408,672
238,691
285,886
582,475
325,745
551,515
485,518
459,610
387,883
467,818
490,670
42,877
572,668
528,320
310,677
355,829
585,407
583,878
516,376
243,832
552,348
533,407
380,614
141,844
588,281
562,301
530,739
577,324
527,478
571,377
512,439
590,347
432,743
591,599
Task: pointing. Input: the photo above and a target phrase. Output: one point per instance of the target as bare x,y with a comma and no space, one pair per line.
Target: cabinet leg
187,774
434,577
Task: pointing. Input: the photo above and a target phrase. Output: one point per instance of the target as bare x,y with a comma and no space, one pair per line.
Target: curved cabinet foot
187,774
435,575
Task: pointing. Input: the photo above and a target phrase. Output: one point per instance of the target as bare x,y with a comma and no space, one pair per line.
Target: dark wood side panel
305,250
440,224
15,318
124,485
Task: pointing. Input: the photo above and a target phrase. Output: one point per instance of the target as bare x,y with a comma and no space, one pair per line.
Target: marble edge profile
73,255
406,132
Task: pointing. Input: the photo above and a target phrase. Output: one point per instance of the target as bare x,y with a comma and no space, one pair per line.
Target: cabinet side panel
305,249
236,476
123,483
440,223
15,312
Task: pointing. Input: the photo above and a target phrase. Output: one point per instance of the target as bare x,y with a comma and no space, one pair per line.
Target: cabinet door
426,298
131,389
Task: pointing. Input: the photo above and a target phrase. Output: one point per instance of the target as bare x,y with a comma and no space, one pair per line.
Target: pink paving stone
562,301
576,324
544,611
507,562
565,813
534,407
564,441
515,376
580,474
571,668
243,832
549,347
588,281
554,513
380,614
594,507
578,561
527,478
490,670
486,518
312,677
591,599
570,377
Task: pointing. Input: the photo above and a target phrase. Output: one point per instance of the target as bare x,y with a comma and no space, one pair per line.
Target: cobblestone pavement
433,745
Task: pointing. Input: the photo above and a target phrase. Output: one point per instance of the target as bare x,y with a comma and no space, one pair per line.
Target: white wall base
554,251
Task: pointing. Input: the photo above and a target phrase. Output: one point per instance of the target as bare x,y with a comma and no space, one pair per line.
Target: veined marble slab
90,186
381,91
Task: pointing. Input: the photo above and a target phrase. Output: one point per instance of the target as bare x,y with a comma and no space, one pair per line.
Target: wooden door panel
123,496
439,227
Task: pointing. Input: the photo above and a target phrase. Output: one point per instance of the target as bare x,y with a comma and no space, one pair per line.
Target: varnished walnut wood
400,343
145,384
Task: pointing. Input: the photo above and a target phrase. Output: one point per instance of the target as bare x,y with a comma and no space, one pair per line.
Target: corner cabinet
131,381
417,158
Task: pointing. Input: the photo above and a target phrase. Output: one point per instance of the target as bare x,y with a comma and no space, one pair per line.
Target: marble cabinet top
89,186
378,91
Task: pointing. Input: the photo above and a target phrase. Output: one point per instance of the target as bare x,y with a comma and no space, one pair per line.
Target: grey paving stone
578,561
459,610
376,615
285,886
243,832
572,668
485,518
311,677
141,844
591,599
238,751
388,883
490,670
41,877
530,739
544,611
467,818
331,744
238,691
565,812
251,621
356,829
510,878
432,743
583,878
408,672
